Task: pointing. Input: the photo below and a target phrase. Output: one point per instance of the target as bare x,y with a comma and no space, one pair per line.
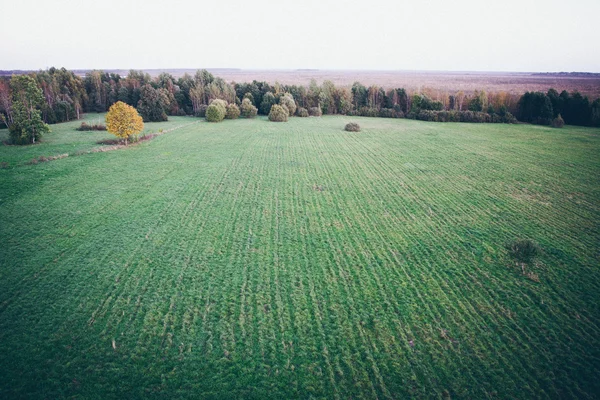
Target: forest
65,96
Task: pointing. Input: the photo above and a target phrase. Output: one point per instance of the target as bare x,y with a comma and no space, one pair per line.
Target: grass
65,139
247,259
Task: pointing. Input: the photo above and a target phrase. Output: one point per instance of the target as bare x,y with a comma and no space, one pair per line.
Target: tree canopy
123,121
25,124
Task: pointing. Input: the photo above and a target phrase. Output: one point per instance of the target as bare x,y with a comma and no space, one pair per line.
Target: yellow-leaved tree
123,121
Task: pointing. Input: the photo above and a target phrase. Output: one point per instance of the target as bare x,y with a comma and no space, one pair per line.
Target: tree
278,113
233,111
153,103
479,102
216,111
267,102
27,125
123,121
288,102
595,113
343,100
535,107
247,109
5,103
359,95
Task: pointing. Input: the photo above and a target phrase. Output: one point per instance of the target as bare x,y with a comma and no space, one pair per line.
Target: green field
250,259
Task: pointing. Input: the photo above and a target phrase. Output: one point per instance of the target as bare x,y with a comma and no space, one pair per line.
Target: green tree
287,101
27,125
233,111
152,104
595,113
478,102
216,111
278,113
267,102
247,109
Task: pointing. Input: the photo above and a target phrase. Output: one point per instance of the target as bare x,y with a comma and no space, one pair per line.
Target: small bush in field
558,122
278,113
247,109
352,127
216,111
315,111
91,127
233,111
523,250
302,112
287,101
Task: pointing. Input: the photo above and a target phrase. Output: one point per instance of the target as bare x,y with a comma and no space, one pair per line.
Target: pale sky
461,35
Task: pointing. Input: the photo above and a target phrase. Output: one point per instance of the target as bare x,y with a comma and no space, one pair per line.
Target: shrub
367,112
278,113
558,122
247,109
390,113
233,112
216,111
287,101
302,112
201,112
352,127
523,250
315,111
88,127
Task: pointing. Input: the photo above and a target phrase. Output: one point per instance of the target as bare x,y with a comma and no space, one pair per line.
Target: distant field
515,83
511,82
250,259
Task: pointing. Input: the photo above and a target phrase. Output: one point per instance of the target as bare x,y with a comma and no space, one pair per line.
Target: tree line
65,96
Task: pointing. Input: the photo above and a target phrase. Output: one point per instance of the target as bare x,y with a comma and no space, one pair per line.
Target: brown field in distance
431,82
492,82
514,83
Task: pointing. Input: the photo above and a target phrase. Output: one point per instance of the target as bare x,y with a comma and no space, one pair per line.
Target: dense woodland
65,96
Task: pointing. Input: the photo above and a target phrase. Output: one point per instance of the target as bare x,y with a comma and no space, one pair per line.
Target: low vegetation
67,96
255,260
524,250
216,111
287,101
247,109
278,113
315,111
558,122
91,127
233,111
352,127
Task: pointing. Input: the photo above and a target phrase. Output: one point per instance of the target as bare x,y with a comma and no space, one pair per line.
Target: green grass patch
254,260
